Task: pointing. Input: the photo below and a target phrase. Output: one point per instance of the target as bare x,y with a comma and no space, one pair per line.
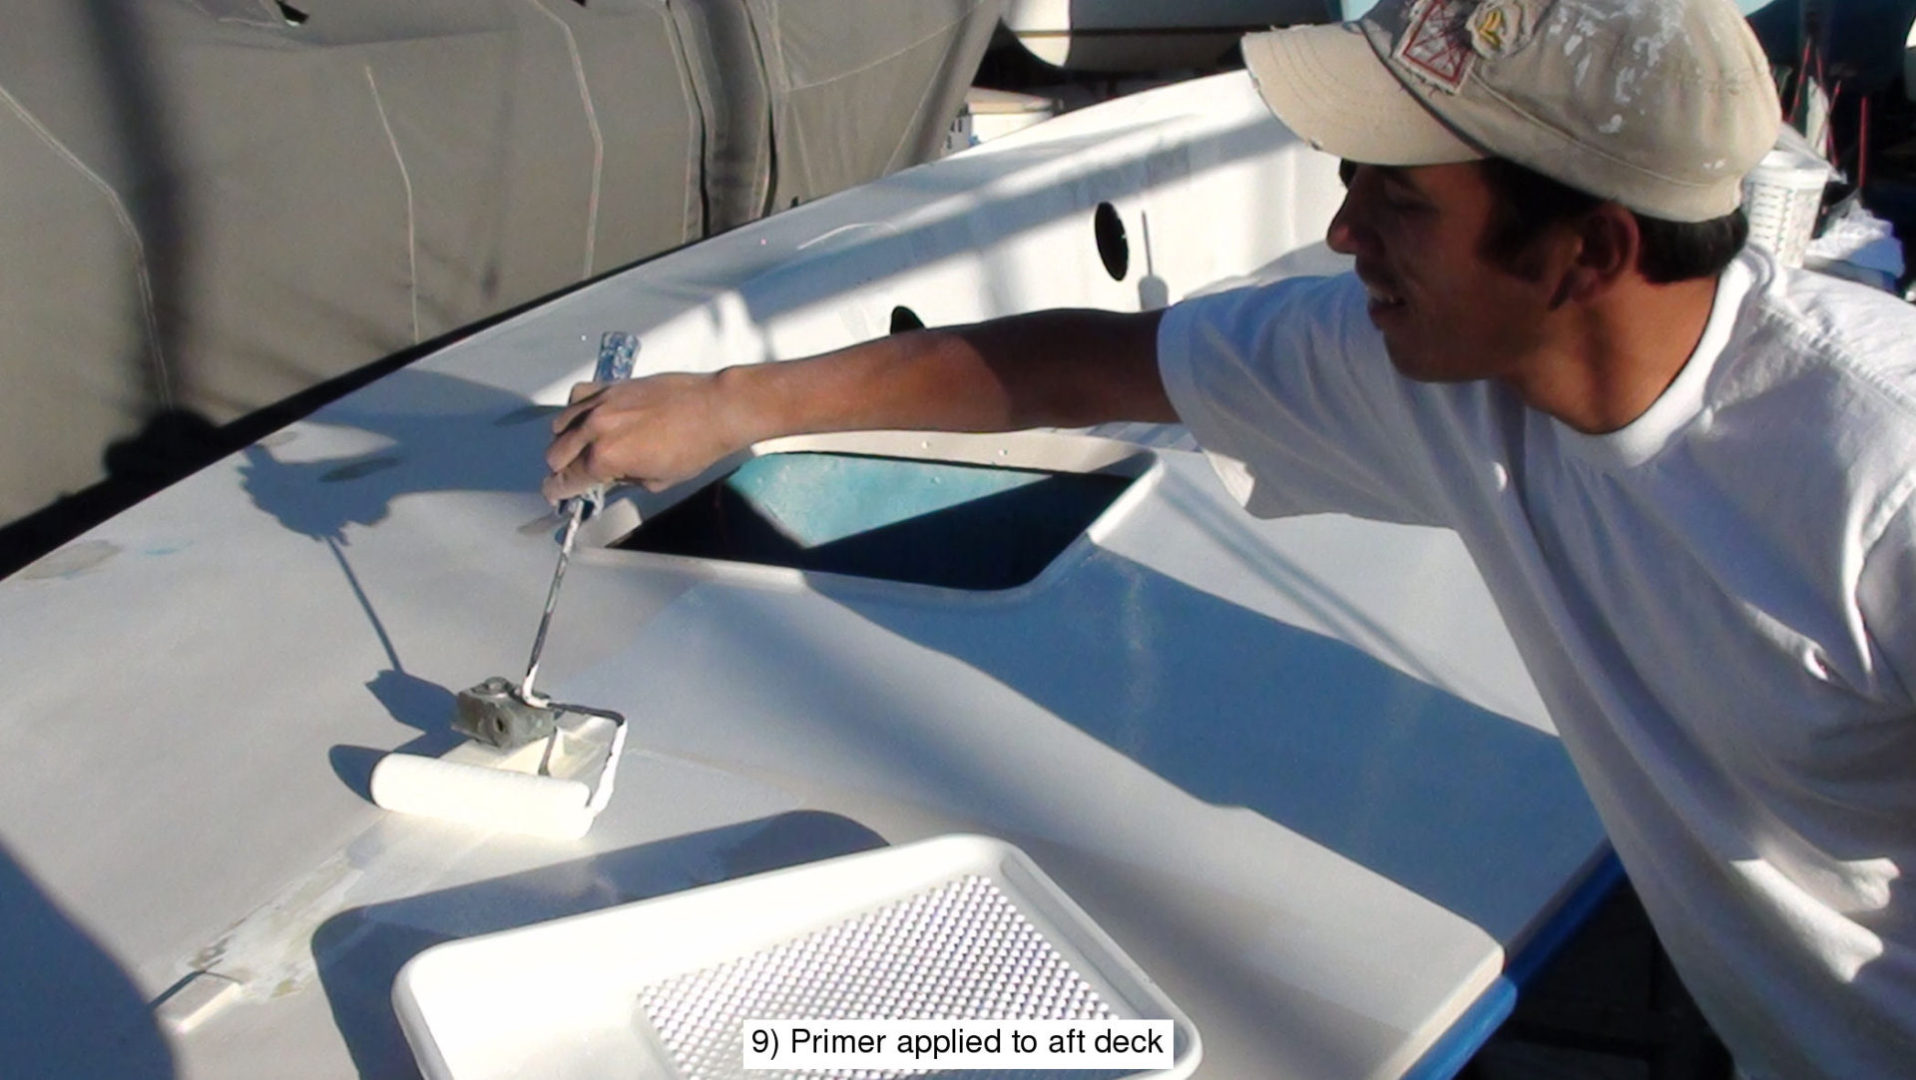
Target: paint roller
504,721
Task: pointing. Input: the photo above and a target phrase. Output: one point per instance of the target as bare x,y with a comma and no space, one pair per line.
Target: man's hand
654,431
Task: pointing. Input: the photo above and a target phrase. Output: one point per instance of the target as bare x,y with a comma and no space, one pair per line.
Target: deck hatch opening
948,524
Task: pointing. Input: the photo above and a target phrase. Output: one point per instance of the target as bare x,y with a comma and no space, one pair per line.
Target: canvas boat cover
209,205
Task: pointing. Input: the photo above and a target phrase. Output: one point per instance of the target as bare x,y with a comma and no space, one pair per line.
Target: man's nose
1346,234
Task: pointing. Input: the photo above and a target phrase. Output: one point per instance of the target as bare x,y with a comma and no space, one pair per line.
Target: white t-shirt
1717,602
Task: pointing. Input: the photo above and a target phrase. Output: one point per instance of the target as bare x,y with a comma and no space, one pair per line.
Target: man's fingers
574,476
583,398
567,447
561,486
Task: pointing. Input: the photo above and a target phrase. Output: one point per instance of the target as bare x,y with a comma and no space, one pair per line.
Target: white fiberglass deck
1293,768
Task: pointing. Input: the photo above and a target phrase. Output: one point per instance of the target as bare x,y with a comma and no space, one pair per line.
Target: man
1686,473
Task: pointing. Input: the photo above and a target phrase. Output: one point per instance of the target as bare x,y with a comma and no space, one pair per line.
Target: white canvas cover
209,205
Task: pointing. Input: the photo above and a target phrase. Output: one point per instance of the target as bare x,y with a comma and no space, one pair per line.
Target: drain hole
1113,248
292,14
904,318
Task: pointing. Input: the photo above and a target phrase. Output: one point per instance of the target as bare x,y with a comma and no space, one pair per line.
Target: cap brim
1327,85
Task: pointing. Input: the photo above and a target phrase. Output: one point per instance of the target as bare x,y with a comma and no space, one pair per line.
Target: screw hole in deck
904,318
1108,228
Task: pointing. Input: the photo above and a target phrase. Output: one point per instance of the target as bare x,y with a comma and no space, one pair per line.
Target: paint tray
957,927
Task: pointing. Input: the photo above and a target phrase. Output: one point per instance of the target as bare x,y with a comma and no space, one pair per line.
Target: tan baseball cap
1661,105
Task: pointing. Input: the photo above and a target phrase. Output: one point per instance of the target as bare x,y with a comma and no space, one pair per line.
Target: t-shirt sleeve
1885,589
1289,390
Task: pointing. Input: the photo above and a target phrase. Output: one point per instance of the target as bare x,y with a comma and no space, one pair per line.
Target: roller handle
618,352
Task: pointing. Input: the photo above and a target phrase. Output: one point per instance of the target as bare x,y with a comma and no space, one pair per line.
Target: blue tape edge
1451,1052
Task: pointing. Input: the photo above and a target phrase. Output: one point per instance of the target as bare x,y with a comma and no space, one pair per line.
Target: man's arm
1047,369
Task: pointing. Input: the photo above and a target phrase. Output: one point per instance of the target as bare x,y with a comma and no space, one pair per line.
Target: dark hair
1528,202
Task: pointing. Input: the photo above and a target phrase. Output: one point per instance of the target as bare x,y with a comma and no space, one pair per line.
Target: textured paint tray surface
953,928
960,951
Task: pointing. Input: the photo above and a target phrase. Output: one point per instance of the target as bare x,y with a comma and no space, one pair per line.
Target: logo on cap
1498,28
1436,43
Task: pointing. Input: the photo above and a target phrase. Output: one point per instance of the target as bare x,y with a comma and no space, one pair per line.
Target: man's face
1448,312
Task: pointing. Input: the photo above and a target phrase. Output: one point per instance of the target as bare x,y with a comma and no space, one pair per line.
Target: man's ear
1608,244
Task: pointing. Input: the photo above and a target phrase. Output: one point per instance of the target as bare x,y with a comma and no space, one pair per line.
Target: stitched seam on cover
598,138
405,179
163,383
